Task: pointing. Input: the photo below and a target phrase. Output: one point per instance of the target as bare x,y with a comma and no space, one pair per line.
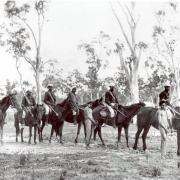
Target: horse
84,117
123,118
31,120
52,117
4,105
147,118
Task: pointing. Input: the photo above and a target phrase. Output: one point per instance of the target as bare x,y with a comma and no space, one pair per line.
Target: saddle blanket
111,111
47,109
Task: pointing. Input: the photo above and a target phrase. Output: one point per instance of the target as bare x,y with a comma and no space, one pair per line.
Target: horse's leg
17,132
119,135
178,142
144,135
41,128
100,135
22,129
95,132
137,137
126,128
16,124
52,130
60,132
35,131
78,132
30,133
1,132
85,130
39,132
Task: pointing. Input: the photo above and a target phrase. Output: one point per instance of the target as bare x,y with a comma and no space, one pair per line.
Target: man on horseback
164,95
50,101
28,103
111,103
73,104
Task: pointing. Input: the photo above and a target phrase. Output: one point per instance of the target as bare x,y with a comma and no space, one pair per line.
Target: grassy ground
21,161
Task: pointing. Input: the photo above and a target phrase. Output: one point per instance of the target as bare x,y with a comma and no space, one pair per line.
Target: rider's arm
107,100
23,103
46,99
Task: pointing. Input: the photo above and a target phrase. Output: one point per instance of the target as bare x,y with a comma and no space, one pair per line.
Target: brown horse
146,118
4,105
123,118
84,117
29,121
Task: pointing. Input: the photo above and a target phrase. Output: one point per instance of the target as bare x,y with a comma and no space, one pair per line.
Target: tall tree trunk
38,87
177,88
134,88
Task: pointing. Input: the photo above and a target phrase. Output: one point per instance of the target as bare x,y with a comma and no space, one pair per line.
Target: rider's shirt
110,97
28,101
49,98
164,96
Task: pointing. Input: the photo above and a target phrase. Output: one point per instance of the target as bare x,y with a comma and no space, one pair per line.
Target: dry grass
69,161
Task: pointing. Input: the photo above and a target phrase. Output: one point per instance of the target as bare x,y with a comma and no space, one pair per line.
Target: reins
174,111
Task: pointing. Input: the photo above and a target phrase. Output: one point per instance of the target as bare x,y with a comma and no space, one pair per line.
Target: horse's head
11,100
131,110
94,104
39,111
142,104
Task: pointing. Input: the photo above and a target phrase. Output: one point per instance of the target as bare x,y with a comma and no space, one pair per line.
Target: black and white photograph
89,90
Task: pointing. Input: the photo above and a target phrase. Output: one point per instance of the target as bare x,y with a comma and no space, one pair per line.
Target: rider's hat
167,84
49,85
28,91
74,89
111,85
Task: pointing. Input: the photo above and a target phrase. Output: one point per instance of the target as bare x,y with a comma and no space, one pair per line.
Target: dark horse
146,119
4,105
84,117
31,120
123,118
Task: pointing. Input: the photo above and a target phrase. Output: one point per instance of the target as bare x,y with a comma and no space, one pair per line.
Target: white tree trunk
38,88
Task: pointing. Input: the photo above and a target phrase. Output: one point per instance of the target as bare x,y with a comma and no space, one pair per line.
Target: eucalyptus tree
23,35
130,60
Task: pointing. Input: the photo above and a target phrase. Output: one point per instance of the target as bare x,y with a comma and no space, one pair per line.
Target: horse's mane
130,106
2,101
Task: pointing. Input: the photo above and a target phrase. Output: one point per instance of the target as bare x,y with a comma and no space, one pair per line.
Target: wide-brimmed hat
74,89
28,91
49,85
167,84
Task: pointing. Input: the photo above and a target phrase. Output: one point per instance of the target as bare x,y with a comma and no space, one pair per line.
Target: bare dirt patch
70,161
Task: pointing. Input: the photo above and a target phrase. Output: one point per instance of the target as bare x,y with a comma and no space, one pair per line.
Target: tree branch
29,61
30,29
122,29
122,62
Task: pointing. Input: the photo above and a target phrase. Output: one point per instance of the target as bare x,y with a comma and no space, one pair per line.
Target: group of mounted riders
106,110
109,100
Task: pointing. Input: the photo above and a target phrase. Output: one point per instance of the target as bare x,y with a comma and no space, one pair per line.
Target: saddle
105,113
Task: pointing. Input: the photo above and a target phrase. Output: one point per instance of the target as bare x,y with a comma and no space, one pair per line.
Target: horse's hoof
135,148
29,142
35,142
61,142
75,141
104,146
87,147
16,140
49,141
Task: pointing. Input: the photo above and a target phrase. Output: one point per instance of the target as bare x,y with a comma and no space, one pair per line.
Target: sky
71,22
